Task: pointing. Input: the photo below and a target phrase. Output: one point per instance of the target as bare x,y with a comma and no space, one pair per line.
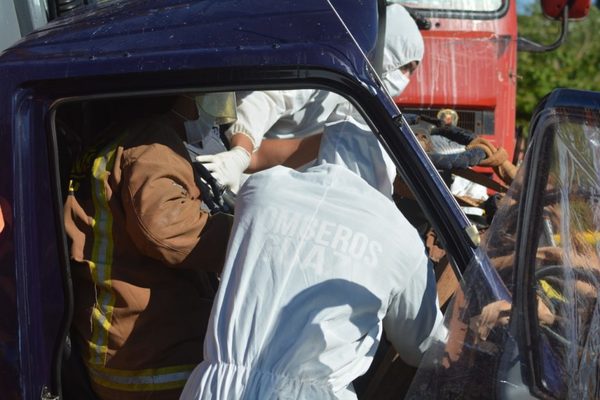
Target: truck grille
480,122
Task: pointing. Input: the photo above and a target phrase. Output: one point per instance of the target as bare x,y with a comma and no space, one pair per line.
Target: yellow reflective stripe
589,237
142,380
101,259
97,315
551,292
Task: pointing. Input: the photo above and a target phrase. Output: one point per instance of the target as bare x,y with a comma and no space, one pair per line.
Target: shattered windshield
567,261
562,285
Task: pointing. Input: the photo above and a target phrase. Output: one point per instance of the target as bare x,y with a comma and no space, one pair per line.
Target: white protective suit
318,264
299,113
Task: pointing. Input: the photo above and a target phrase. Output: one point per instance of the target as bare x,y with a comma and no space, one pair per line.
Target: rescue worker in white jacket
300,113
319,263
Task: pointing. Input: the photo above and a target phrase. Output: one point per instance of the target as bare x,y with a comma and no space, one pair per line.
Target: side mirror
578,9
564,10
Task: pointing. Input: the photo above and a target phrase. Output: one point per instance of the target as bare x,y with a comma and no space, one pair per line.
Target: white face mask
395,82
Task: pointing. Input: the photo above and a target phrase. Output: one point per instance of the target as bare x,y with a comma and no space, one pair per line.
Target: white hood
403,40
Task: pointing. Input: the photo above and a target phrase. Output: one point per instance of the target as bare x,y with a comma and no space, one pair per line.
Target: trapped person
285,114
319,263
140,247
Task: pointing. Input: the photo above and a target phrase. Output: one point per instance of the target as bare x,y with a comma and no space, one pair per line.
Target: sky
522,5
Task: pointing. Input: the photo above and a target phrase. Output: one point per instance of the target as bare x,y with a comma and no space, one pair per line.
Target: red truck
470,62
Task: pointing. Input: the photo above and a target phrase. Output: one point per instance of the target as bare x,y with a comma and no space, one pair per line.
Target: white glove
227,167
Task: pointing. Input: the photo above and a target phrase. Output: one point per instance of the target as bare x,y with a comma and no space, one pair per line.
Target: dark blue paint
572,98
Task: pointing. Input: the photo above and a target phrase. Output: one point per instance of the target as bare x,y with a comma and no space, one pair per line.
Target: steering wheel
558,273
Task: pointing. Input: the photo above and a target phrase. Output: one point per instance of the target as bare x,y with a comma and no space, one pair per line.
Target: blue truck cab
69,78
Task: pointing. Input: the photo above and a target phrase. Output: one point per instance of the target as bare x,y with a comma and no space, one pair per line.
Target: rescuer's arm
257,112
292,153
462,160
455,134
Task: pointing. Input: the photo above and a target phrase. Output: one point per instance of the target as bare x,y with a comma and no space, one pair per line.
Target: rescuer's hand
497,158
227,167
492,315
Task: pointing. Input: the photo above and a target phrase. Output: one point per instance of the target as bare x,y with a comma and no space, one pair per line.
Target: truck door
525,322
557,314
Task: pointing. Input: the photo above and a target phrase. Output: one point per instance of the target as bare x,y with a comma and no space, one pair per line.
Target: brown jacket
140,249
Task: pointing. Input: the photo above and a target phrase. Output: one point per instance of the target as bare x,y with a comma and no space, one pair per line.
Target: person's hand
492,315
227,167
497,158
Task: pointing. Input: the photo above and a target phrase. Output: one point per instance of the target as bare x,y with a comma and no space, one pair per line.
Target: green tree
576,64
